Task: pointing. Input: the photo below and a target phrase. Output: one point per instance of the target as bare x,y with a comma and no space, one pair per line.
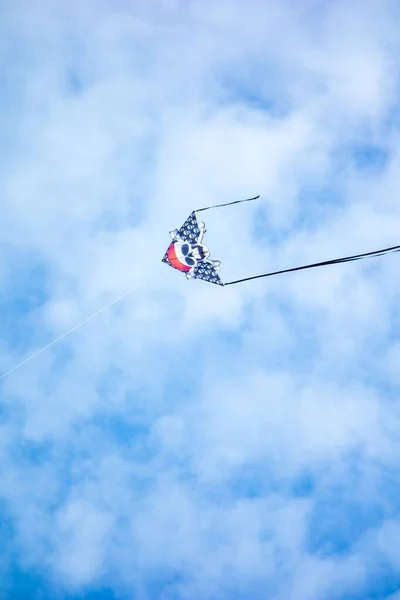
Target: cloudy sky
194,442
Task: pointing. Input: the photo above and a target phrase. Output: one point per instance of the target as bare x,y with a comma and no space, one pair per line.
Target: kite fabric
188,254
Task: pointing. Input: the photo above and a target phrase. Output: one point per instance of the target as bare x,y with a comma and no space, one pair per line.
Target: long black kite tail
322,264
227,204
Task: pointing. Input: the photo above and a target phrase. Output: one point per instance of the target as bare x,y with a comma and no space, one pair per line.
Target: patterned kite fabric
207,272
190,232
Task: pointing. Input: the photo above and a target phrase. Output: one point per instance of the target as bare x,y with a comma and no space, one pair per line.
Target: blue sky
194,442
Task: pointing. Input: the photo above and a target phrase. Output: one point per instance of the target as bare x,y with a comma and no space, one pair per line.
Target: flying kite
188,254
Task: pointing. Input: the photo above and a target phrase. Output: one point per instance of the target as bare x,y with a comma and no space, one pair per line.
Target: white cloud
135,434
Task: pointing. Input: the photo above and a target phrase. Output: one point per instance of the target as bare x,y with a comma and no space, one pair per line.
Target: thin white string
70,331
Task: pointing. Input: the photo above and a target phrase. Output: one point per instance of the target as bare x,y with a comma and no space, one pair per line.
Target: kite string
92,316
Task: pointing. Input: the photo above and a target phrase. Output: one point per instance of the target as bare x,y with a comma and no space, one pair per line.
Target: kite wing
190,231
206,271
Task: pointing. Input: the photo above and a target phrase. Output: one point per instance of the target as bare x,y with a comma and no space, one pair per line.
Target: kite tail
227,204
322,264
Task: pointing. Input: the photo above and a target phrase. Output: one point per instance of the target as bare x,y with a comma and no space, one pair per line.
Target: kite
187,253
